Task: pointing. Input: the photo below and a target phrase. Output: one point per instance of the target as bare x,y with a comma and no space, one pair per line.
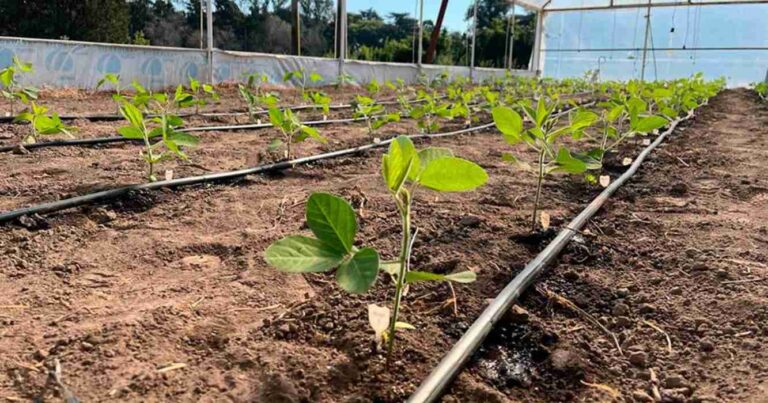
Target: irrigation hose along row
112,193
120,139
295,108
278,166
441,376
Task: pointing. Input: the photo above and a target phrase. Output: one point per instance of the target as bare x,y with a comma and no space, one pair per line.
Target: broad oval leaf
332,220
509,123
565,162
426,156
649,124
301,254
358,274
452,174
131,132
398,162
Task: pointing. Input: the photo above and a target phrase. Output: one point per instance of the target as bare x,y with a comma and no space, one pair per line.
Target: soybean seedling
543,138
12,89
428,111
41,123
320,101
301,77
292,130
614,116
332,220
163,127
255,99
373,113
114,79
762,90
203,94
405,170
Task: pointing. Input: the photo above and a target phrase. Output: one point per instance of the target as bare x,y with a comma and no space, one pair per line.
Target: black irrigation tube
227,175
278,166
6,119
443,374
121,139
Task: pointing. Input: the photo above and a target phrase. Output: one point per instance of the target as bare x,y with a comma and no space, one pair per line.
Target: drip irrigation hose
120,139
441,376
295,108
278,166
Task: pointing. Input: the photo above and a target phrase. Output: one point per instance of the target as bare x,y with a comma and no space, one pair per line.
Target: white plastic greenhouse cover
723,40
561,5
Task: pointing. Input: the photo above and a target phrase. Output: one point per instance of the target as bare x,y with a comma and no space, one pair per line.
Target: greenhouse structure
404,201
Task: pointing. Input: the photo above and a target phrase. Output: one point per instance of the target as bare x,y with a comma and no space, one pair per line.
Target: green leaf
509,123
358,274
461,277
301,254
183,139
132,114
392,267
131,132
332,220
507,157
649,124
398,162
426,156
565,162
452,174
312,132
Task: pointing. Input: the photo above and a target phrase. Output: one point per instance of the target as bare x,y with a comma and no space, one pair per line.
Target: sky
454,15
672,27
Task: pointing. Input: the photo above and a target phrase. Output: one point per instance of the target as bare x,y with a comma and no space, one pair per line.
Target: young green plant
255,99
333,223
302,77
203,94
292,130
162,127
42,123
114,79
12,89
543,138
373,113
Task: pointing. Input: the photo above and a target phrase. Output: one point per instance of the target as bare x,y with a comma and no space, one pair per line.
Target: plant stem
405,215
538,189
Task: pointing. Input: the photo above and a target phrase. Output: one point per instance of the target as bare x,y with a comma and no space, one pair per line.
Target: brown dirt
119,292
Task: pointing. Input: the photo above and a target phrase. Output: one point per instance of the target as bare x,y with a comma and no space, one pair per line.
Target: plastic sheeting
728,41
82,64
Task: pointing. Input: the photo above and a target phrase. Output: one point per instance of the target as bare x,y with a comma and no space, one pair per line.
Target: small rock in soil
470,221
646,308
567,361
518,315
571,275
676,291
699,266
641,396
675,381
621,309
623,321
622,292
707,346
638,358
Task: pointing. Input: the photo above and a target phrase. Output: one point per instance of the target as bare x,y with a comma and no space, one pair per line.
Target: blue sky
454,15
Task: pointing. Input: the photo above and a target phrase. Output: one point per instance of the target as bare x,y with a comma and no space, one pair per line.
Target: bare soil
165,296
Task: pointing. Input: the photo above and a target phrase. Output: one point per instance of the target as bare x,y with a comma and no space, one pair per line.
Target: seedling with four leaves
302,77
373,113
332,221
292,130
